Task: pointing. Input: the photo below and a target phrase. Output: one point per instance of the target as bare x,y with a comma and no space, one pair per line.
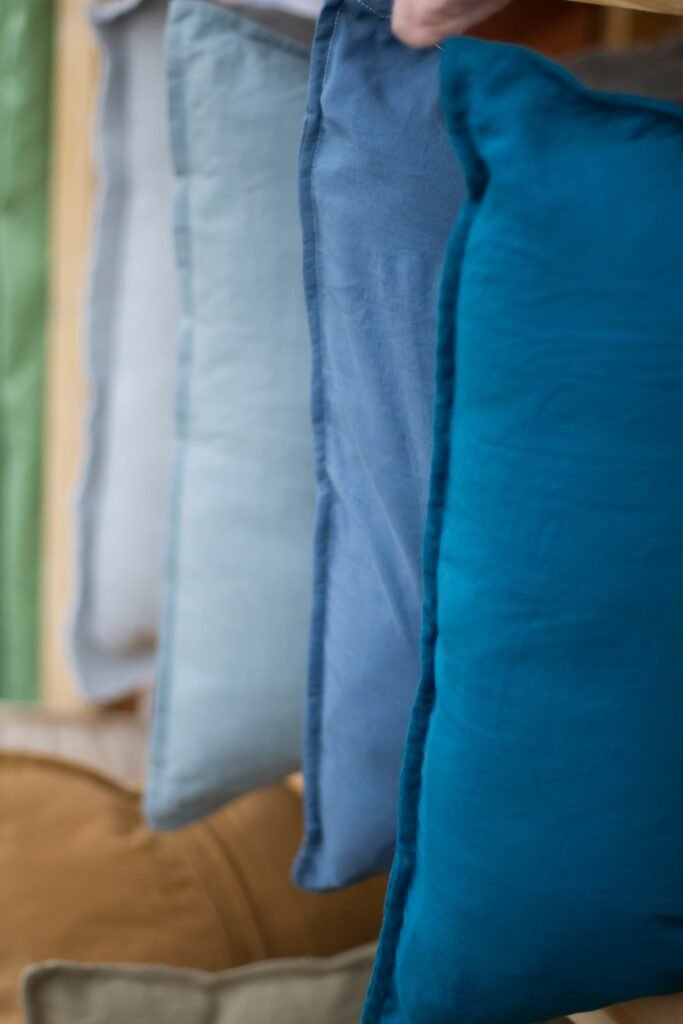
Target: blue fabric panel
380,189
538,869
230,689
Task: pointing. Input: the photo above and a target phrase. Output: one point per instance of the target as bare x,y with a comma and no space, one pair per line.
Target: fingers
422,23
412,22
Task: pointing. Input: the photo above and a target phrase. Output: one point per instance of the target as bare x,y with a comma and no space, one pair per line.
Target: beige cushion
114,743
303,991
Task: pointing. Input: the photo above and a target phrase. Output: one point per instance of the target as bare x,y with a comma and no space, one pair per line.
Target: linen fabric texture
25,74
231,675
115,743
84,879
540,836
380,190
318,991
131,342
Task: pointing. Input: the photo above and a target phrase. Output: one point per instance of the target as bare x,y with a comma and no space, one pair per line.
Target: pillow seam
155,792
304,867
380,992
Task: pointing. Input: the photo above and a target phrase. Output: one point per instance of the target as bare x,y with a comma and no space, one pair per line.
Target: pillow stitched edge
380,994
304,872
157,783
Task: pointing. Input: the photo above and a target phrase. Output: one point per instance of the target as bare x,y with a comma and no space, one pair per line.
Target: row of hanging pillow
552,615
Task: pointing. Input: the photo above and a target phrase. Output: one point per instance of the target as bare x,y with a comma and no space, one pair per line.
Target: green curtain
25,65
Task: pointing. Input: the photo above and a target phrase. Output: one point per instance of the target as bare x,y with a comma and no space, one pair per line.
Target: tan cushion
114,742
83,878
302,991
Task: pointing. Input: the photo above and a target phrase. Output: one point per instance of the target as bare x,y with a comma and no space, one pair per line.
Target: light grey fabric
302,991
652,71
114,743
232,668
131,341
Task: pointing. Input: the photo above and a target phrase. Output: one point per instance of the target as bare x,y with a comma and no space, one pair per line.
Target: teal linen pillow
538,869
234,632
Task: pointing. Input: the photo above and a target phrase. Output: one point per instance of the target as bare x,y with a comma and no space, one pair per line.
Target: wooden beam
72,187
674,7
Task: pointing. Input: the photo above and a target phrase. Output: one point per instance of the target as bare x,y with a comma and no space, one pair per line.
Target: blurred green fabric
25,65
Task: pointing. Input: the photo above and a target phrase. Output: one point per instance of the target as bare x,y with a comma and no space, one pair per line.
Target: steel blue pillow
230,689
538,868
380,189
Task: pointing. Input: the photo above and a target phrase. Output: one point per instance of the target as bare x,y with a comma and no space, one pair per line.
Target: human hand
424,23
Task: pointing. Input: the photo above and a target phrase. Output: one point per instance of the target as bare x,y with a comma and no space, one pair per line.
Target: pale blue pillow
538,869
232,668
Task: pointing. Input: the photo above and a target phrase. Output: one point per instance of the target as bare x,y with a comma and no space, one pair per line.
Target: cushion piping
402,871
304,873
